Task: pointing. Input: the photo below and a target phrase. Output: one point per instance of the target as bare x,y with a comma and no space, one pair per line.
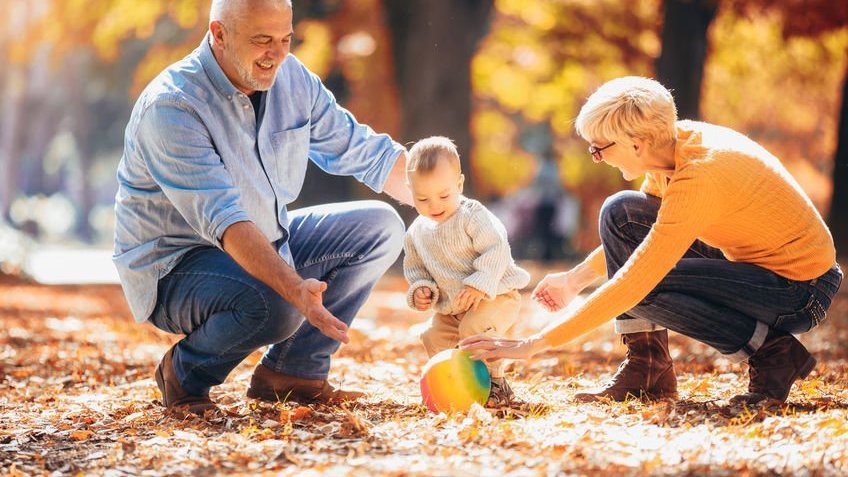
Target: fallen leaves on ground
77,397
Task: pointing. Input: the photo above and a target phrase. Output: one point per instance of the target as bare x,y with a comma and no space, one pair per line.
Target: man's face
251,50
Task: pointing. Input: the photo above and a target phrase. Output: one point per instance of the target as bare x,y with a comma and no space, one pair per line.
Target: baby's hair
426,154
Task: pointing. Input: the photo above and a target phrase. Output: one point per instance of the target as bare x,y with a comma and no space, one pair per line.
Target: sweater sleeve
489,239
597,261
415,272
691,203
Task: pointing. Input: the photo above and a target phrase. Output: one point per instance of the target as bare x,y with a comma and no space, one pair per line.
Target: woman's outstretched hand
492,348
555,291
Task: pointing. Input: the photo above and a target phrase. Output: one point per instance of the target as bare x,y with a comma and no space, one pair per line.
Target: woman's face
623,156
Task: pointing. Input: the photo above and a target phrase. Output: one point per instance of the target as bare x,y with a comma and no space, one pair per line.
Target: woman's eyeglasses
596,152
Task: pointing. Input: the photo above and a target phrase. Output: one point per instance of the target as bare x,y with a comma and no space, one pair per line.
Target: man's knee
387,227
265,310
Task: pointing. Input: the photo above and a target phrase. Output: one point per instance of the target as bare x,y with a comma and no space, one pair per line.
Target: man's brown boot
173,395
774,367
646,372
272,386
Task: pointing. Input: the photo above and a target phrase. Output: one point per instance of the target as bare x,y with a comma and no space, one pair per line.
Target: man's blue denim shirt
195,163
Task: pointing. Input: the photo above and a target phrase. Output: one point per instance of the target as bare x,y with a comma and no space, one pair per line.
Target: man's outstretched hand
310,292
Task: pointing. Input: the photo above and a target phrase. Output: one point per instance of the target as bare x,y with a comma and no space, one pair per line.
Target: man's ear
461,182
218,32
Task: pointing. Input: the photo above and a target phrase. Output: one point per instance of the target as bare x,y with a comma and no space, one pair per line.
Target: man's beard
246,76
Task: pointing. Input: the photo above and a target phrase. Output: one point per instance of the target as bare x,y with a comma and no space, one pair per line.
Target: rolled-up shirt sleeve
182,160
340,145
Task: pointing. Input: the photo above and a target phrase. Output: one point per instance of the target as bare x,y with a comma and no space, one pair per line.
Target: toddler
457,259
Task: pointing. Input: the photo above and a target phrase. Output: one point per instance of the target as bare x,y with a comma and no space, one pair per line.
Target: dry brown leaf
81,435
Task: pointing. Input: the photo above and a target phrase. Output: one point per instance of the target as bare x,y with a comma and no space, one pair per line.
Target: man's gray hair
226,10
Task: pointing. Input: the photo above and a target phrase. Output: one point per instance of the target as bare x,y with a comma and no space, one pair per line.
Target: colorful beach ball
452,381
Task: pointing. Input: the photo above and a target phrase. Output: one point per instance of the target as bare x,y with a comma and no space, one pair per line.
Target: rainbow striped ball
452,381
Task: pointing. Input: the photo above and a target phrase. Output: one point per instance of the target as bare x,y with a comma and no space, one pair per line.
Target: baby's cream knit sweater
469,248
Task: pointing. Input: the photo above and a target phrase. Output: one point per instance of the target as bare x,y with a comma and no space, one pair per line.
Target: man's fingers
337,335
333,332
331,326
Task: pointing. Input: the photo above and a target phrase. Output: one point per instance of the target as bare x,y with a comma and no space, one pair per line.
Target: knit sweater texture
468,248
727,191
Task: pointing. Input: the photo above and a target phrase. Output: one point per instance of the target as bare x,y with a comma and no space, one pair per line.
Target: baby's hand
468,298
422,298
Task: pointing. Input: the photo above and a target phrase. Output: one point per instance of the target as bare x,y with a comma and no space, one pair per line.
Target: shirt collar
213,69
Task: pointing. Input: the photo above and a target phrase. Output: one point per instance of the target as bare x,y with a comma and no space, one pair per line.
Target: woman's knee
615,207
627,206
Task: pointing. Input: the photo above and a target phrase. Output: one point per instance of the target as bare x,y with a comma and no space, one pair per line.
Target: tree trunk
838,215
434,41
78,178
680,66
10,136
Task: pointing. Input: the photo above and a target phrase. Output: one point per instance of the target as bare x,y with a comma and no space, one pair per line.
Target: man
216,147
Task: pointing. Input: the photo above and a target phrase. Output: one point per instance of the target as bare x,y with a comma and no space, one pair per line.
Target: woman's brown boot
774,367
646,372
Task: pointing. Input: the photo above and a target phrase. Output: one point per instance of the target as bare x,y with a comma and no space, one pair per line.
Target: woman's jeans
227,314
727,305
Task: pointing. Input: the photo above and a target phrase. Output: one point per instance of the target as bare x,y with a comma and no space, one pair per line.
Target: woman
720,244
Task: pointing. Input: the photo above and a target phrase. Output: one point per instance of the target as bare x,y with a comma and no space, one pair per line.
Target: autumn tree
534,69
838,215
815,20
680,66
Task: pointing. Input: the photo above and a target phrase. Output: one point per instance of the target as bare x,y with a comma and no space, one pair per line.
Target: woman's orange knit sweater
727,191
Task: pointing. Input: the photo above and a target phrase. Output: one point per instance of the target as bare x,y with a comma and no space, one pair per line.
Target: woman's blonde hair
628,108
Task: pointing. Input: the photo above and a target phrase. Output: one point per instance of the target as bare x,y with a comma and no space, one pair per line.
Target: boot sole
803,372
254,394
642,396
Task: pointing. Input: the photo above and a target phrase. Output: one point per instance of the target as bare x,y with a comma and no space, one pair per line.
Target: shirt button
246,106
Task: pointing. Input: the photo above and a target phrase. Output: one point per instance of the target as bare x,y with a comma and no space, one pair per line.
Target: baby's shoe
501,394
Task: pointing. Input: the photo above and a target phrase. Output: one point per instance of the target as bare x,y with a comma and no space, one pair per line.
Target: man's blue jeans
227,314
727,305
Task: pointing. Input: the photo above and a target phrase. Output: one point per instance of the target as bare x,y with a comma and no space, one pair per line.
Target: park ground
77,398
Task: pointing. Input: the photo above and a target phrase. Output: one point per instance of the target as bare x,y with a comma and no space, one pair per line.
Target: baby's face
436,193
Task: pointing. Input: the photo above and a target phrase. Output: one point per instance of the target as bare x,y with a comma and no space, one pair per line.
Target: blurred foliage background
503,78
